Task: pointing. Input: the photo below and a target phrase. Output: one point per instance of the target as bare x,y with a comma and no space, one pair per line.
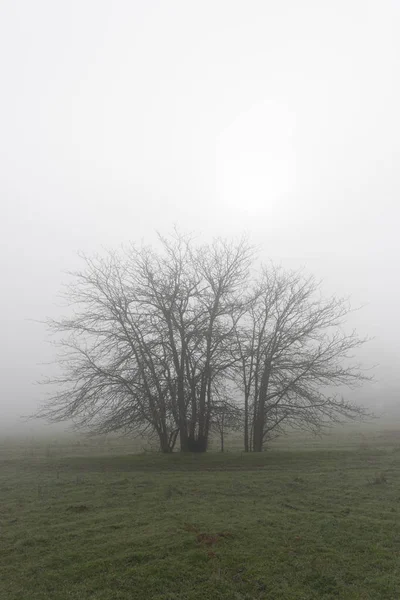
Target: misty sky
117,118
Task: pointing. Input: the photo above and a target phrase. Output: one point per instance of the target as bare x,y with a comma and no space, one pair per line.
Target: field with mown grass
307,519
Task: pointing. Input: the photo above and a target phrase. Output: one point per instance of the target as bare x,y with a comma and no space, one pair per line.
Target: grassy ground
305,520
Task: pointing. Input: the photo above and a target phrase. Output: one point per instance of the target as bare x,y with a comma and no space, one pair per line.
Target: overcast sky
117,118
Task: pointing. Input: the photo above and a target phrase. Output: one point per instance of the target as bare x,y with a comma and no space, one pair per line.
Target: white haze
280,118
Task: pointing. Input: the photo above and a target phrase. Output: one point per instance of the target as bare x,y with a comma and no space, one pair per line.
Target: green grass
297,523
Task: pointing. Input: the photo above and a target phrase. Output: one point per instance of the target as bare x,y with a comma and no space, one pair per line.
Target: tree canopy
186,338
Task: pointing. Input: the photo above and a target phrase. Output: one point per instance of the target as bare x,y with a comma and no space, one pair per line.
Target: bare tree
150,333
293,352
224,271
111,357
155,337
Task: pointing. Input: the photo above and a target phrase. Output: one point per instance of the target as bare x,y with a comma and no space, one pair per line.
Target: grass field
307,519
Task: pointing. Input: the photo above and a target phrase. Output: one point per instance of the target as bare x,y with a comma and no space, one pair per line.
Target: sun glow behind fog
256,161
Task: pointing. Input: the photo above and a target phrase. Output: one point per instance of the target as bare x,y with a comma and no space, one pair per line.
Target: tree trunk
183,424
246,422
172,439
258,435
221,432
183,437
222,440
259,417
165,442
165,448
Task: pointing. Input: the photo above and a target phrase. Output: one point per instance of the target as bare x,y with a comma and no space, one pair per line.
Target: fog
276,118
